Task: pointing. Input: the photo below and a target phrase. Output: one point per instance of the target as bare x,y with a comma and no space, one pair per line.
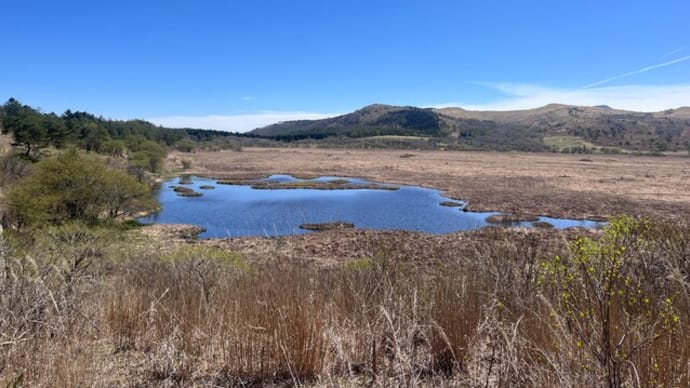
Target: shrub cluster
71,188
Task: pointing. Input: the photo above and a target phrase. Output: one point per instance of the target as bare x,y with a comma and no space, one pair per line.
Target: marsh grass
233,182
303,176
336,184
511,218
192,194
495,316
327,226
542,224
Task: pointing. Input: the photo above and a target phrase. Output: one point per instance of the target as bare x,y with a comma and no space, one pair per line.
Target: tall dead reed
514,309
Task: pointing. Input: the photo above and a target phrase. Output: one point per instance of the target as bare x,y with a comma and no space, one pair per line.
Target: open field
574,186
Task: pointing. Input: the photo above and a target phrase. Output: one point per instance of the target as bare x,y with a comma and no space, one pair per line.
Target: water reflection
239,210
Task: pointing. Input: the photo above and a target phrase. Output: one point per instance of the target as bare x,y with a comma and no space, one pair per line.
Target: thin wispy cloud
248,98
639,71
237,122
643,98
673,52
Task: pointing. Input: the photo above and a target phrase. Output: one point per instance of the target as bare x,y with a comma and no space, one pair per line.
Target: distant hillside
579,128
372,120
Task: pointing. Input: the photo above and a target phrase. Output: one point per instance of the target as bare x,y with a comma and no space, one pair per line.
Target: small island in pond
327,226
511,218
334,184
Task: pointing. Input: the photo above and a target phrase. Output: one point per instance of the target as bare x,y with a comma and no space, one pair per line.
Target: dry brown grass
83,307
479,314
536,183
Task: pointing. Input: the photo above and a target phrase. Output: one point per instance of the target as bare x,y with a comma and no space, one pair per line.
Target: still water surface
234,210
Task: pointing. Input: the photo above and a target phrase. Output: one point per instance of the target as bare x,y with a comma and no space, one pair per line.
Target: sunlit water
232,211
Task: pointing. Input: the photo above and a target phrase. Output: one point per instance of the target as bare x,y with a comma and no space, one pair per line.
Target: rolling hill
577,128
372,120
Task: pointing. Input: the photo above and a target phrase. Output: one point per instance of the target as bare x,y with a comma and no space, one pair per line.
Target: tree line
138,139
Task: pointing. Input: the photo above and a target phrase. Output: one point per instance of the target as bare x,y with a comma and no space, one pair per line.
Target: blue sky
236,65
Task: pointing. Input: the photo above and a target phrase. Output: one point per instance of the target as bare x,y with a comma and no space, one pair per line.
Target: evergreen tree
26,124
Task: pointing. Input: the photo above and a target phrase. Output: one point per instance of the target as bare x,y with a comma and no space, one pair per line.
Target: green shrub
73,188
186,145
612,302
214,254
148,155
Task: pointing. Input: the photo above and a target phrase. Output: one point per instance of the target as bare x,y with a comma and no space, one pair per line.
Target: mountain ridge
530,129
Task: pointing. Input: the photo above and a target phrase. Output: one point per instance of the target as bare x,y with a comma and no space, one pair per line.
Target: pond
263,208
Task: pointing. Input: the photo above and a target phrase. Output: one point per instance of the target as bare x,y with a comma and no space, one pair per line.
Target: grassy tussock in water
84,307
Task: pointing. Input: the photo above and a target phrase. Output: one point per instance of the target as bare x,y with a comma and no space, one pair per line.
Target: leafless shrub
13,168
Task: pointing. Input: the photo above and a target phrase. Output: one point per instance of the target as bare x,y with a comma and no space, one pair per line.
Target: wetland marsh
280,204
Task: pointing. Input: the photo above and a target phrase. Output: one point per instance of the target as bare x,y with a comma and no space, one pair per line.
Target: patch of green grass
203,253
400,137
570,143
561,142
363,264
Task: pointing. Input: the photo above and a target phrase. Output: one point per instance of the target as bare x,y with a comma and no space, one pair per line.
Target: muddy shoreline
337,246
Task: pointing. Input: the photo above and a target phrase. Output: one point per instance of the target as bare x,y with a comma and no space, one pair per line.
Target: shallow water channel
240,210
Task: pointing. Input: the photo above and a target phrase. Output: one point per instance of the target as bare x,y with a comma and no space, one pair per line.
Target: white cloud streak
235,123
673,52
642,98
638,71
